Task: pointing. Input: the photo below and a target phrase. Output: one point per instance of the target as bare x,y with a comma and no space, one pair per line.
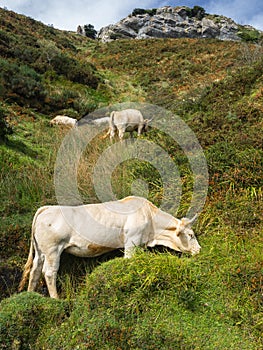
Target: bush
20,80
24,316
89,30
5,39
139,11
249,35
196,11
5,128
75,71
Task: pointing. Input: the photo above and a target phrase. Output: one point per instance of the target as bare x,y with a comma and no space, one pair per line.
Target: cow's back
127,116
104,223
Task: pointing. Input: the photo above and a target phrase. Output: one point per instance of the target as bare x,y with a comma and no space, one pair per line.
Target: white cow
64,120
127,120
93,229
100,121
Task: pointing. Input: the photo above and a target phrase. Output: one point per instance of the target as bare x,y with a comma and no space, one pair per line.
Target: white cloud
257,21
68,14
241,11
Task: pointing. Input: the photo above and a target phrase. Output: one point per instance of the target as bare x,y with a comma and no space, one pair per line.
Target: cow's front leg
140,128
133,239
128,252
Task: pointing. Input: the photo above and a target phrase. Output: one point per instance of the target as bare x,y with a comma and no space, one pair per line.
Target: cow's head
146,126
179,236
185,238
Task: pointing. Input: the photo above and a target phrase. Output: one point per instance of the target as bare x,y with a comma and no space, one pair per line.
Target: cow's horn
193,219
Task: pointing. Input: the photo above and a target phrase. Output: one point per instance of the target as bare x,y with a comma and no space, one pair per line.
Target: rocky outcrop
171,22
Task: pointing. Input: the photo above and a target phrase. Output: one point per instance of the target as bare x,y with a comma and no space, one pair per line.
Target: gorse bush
249,35
196,11
139,11
90,31
23,317
20,81
75,71
26,59
5,128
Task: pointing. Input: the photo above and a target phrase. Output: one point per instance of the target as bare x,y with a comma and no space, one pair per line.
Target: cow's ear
182,225
185,222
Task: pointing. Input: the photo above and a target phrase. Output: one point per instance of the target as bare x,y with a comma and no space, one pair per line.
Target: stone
171,22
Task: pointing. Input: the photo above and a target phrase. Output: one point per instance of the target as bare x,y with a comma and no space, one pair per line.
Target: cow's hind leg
35,272
112,134
121,134
50,269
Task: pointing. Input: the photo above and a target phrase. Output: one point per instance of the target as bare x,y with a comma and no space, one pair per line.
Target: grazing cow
96,122
100,121
64,120
127,120
93,229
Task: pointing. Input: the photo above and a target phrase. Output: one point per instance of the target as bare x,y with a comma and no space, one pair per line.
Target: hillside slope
155,299
43,68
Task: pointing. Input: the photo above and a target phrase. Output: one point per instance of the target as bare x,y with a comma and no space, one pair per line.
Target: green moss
152,302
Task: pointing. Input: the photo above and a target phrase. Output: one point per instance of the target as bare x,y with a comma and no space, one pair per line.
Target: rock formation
171,22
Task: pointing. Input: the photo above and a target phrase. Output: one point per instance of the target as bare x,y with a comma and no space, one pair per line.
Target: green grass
153,301
158,301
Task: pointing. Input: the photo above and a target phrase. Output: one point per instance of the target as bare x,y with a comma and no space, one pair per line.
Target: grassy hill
156,300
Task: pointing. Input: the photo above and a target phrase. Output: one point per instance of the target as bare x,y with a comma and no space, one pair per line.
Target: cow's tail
111,125
111,120
29,262
104,136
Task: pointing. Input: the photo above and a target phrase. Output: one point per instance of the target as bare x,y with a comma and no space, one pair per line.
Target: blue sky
68,14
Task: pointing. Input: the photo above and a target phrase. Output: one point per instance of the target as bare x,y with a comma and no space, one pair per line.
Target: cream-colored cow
64,120
127,120
93,229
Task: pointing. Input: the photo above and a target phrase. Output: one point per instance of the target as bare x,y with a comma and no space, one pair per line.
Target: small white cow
100,121
127,120
93,229
64,120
